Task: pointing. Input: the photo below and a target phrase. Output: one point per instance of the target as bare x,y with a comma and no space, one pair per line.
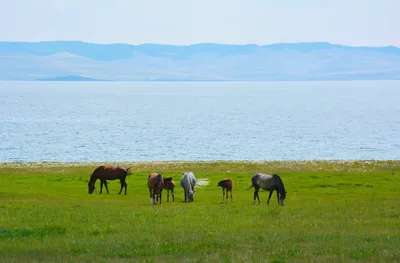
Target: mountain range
81,61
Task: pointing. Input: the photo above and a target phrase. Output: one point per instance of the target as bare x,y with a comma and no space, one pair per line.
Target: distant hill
68,60
71,78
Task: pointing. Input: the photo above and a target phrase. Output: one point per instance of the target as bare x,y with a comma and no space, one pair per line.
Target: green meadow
335,211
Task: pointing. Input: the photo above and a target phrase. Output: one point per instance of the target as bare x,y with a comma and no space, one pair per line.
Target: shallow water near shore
86,122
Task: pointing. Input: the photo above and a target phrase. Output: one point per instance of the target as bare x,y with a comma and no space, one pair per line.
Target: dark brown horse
104,173
155,182
169,185
227,185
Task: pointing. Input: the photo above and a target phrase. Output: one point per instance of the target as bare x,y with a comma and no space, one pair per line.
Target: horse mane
281,188
225,180
94,175
168,179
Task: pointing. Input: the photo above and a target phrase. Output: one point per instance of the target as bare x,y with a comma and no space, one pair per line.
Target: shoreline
334,165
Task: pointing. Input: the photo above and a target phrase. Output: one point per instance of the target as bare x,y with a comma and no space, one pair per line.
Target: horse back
169,183
114,172
265,181
188,180
226,183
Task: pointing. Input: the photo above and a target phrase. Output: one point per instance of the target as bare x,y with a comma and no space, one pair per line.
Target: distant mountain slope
205,61
71,78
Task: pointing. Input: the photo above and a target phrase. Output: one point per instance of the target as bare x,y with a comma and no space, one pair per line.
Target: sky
184,22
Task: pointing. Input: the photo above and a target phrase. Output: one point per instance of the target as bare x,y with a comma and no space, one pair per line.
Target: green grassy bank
334,212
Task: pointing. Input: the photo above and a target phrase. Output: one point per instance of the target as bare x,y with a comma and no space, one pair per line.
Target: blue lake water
93,121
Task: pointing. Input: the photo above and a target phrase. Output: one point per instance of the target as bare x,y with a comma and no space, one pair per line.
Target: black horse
269,182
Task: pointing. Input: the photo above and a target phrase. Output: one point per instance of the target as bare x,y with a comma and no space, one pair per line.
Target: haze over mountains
73,60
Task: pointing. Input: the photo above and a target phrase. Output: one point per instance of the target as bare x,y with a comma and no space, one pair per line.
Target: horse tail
127,171
202,182
253,181
250,186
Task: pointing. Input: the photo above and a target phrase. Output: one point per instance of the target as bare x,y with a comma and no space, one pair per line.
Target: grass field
334,212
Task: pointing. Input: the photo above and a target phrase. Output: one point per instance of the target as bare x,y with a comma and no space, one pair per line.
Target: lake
146,121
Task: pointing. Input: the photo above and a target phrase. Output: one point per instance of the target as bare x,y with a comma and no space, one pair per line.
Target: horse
104,173
169,185
189,182
155,182
269,182
227,185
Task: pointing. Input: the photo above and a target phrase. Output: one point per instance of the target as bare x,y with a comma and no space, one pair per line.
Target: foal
155,182
169,185
227,185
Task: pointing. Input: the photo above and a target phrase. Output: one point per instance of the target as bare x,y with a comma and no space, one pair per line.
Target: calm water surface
77,121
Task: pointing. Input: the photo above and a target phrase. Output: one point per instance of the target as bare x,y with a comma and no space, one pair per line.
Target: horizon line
201,43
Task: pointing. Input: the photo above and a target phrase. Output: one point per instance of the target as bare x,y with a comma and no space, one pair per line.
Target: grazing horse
269,182
104,173
188,182
155,183
169,185
227,185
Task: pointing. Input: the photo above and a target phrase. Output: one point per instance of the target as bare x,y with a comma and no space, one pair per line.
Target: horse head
190,196
127,171
91,187
282,196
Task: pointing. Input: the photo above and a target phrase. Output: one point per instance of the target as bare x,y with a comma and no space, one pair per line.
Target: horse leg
101,186
151,196
122,185
277,195
227,199
256,195
173,195
167,196
105,184
223,195
126,186
185,196
270,194
231,196
160,196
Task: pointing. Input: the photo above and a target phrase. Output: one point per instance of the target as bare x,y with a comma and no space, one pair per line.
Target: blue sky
348,22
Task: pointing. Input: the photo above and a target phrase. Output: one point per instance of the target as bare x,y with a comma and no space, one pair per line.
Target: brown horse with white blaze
169,185
227,186
155,182
104,173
